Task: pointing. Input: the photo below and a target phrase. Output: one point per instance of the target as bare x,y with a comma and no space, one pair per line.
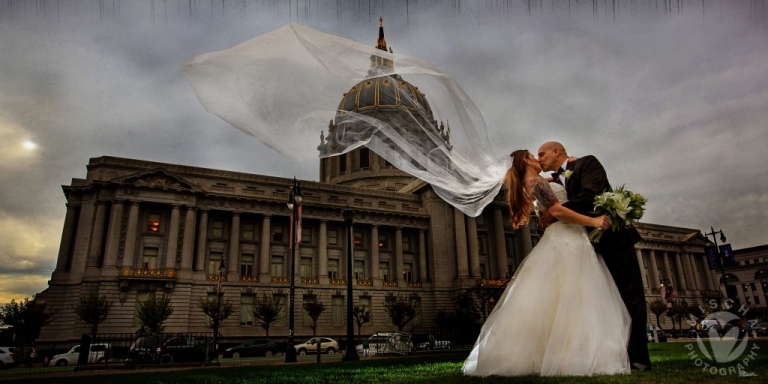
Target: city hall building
135,227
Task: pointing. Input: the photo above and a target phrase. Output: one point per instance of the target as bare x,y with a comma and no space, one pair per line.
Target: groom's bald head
552,154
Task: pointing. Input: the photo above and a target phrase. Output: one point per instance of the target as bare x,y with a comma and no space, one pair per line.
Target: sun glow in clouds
29,144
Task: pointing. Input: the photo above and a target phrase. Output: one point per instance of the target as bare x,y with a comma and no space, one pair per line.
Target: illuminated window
359,239
217,228
383,241
248,231
153,224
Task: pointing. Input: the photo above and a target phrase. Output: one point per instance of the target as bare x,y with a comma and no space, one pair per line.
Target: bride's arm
543,193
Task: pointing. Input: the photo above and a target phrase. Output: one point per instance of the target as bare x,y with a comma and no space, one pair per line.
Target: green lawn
672,364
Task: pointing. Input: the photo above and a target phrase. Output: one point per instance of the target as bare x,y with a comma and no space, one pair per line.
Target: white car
383,343
326,345
98,354
8,357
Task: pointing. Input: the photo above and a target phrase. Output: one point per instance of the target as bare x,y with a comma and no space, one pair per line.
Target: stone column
423,256
94,255
65,247
322,254
82,240
668,269
173,237
113,237
233,264
683,283
348,171
740,291
707,275
399,256
694,270
189,240
760,292
474,250
655,268
640,261
129,250
461,244
375,256
202,240
264,254
501,248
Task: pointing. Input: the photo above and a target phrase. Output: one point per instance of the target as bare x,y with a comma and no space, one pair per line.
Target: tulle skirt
561,315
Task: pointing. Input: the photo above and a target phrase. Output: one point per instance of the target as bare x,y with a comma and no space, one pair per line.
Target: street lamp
728,293
351,353
294,202
217,318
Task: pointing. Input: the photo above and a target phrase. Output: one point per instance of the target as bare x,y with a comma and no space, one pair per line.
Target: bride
561,314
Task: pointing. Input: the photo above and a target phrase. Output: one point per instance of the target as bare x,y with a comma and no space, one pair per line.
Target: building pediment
158,178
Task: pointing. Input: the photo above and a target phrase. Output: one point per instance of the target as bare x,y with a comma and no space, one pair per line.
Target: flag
729,259
218,287
713,258
296,227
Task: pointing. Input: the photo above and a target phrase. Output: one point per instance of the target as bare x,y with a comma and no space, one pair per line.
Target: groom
584,179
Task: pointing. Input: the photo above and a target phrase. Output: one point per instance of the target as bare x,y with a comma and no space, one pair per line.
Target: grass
672,364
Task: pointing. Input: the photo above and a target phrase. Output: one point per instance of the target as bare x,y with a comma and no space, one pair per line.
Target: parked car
8,358
98,354
256,347
760,329
439,344
388,343
182,349
659,332
327,345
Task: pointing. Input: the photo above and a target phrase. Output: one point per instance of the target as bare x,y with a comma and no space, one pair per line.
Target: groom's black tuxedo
586,180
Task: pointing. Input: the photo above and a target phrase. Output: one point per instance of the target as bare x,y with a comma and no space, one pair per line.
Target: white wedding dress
560,315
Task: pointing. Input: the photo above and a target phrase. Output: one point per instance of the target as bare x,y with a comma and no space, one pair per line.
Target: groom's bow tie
556,174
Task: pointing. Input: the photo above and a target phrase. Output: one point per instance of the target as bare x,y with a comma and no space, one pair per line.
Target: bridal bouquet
623,208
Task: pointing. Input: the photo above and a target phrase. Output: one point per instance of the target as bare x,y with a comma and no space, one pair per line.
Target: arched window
731,278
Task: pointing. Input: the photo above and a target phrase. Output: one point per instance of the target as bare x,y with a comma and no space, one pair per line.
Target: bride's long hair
520,206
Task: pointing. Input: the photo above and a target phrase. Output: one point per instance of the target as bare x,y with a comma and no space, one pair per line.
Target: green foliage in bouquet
623,208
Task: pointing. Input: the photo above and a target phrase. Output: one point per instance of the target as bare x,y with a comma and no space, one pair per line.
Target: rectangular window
277,266
217,228
510,244
153,224
337,310
746,262
343,163
359,270
482,271
248,231
305,269
481,244
407,244
333,237
359,237
753,286
214,260
277,234
149,258
408,272
365,157
757,300
246,309
306,235
282,318
333,268
383,241
384,271
246,265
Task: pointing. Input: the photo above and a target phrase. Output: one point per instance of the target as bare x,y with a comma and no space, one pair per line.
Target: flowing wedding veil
284,87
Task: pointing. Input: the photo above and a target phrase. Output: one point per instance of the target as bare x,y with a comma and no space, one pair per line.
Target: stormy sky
671,96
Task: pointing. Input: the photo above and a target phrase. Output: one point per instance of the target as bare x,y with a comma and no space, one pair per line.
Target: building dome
384,94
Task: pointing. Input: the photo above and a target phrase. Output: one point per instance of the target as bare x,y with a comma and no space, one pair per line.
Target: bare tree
93,310
267,310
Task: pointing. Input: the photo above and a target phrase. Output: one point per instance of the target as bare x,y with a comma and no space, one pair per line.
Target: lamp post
216,319
294,202
722,262
351,352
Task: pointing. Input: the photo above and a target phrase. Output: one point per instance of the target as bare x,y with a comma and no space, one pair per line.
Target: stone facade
750,276
133,227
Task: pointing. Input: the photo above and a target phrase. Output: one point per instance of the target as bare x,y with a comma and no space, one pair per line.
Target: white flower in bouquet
623,208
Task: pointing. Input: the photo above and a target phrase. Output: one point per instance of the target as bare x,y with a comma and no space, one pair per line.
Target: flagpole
294,204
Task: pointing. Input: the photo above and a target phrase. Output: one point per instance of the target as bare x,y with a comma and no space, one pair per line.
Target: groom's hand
546,219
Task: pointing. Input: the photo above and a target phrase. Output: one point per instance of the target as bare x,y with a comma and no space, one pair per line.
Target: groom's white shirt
562,178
